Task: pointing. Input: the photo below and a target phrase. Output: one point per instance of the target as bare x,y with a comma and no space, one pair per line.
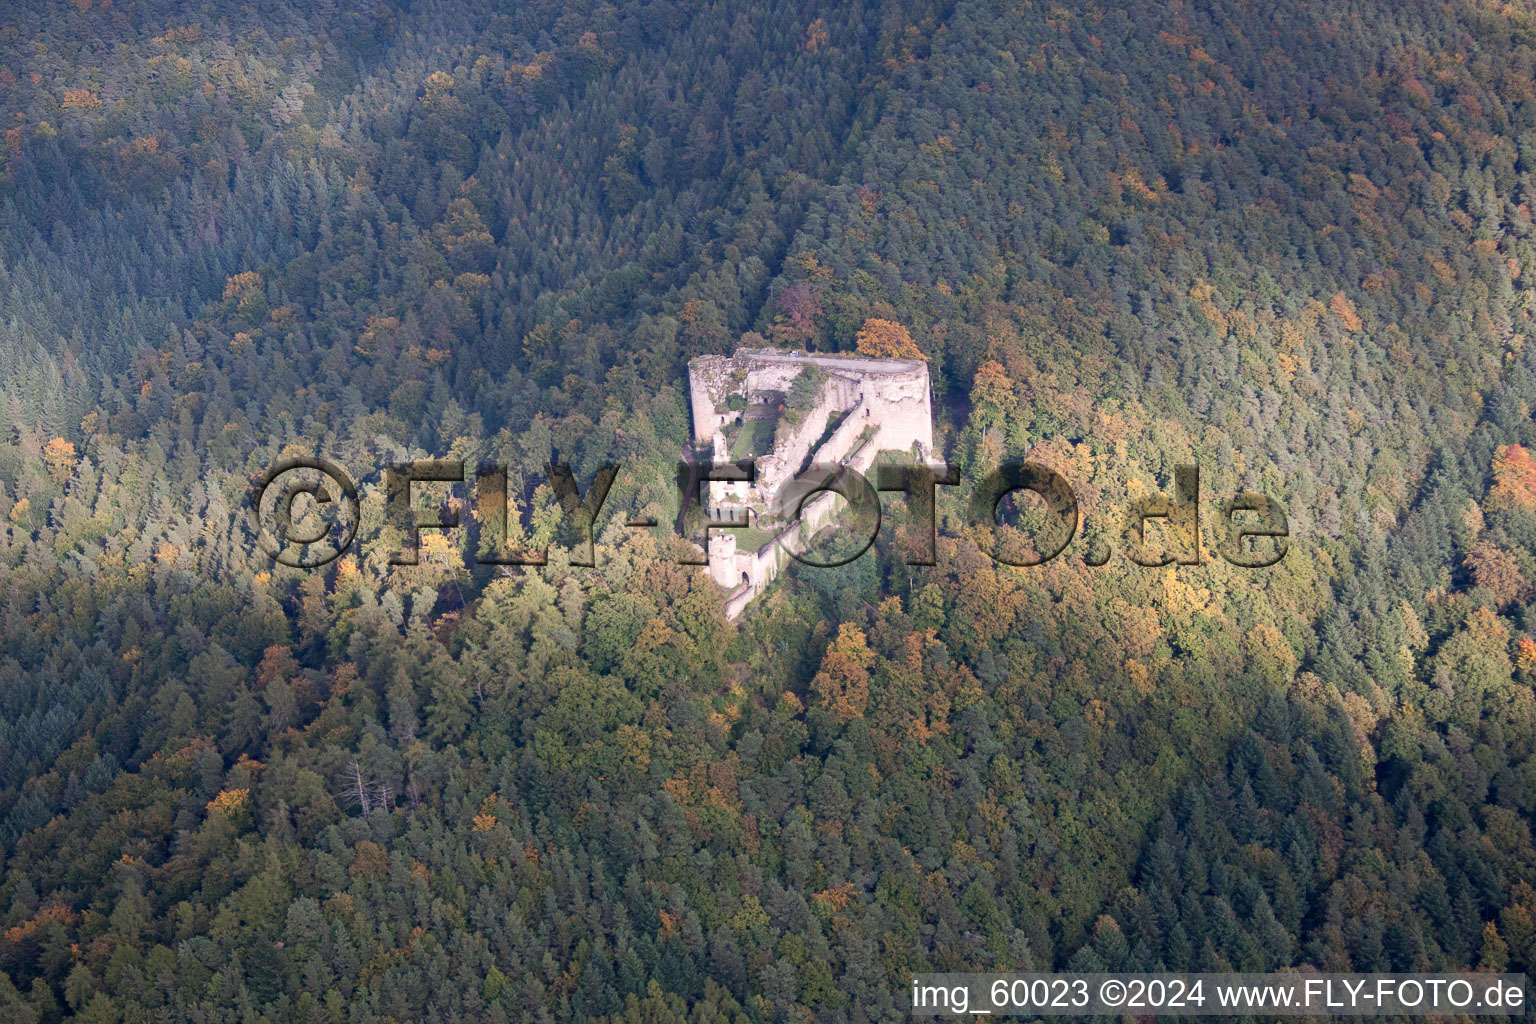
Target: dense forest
1290,244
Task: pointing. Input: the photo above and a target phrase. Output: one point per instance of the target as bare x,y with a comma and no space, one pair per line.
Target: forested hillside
1290,245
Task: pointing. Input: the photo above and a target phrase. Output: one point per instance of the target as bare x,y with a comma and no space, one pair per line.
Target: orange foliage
1496,570
1514,478
50,914
991,386
836,898
277,662
485,820
1360,185
1341,306
1203,294
816,36
869,201
1525,654
887,339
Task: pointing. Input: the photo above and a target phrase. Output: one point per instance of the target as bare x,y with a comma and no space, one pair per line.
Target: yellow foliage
59,454
371,860
842,685
991,386
1132,181
80,99
655,633
1203,294
1141,678
1266,640
241,282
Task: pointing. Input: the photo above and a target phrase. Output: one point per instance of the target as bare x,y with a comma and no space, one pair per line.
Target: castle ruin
790,410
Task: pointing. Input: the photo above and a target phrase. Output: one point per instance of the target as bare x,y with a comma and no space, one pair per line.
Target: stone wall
709,385
789,453
860,418
891,395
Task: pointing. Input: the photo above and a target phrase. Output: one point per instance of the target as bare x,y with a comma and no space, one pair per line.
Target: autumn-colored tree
1345,311
842,685
1525,654
992,393
816,36
1497,571
465,240
1494,955
247,290
799,307
1514,478
59,455
437,89
887,339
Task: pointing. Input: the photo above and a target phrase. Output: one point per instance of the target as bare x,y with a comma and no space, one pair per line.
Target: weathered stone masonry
885,405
